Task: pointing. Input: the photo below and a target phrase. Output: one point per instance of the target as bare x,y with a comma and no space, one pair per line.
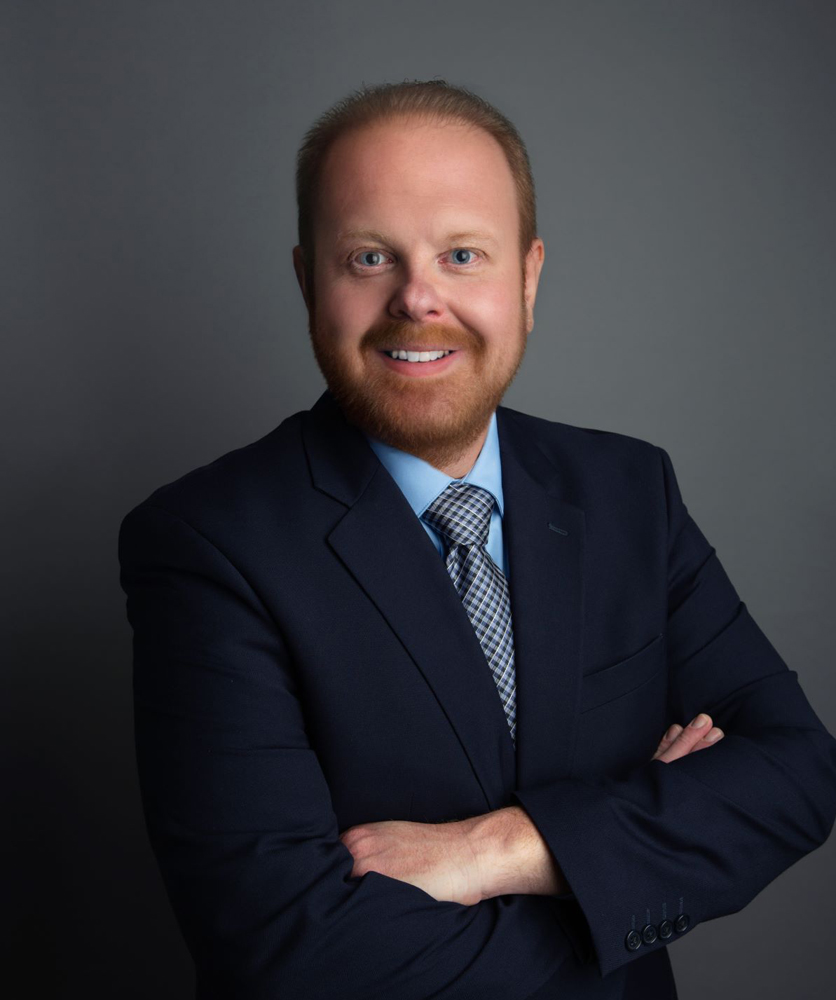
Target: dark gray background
684,158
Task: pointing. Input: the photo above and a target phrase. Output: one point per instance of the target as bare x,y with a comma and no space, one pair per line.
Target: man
404,667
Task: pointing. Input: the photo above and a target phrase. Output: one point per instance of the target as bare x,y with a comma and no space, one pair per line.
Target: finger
712,739
688,738
667,739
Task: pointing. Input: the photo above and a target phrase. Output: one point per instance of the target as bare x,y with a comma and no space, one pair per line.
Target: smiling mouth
418,357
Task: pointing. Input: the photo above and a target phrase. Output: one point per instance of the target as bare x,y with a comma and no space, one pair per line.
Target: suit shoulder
590,443
225,484
607,474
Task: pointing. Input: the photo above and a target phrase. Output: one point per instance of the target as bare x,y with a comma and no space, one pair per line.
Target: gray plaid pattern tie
462,514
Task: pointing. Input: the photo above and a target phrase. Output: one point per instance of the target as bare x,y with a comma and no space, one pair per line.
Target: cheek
351,305
501,294
492,310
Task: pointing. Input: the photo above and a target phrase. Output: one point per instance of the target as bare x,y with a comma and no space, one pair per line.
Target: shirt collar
421,482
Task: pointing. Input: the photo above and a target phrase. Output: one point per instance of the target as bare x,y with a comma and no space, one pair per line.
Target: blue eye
367,259
372,253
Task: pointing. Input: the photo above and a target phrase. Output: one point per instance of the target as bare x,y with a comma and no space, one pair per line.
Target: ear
533,266
299,268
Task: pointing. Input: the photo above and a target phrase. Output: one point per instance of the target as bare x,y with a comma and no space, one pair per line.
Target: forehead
409,172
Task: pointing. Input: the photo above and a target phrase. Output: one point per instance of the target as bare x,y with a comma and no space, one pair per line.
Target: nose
416,299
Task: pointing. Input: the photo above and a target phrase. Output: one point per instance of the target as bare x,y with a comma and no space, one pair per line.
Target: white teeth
417,355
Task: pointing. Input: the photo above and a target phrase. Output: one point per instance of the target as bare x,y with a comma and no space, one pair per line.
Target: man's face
417,249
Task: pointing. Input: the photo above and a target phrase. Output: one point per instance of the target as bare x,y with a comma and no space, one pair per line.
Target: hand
679,742
435,857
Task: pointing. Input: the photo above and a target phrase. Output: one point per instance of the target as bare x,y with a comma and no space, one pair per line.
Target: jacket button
682,921
648,933
665,930
633,941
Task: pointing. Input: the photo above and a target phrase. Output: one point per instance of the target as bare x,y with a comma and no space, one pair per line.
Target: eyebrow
377,237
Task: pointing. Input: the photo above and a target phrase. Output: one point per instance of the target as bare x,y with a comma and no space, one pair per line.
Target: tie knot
462,513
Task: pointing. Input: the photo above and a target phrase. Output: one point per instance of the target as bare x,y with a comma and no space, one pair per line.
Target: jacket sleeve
703,835
240,818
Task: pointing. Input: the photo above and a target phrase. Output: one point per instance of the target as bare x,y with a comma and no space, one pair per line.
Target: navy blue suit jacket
292,679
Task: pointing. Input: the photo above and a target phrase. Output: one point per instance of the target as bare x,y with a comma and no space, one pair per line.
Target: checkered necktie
462,515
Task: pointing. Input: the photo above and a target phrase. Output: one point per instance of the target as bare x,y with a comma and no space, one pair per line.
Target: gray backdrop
684,157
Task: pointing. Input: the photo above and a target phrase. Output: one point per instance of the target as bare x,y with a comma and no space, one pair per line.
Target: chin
416,423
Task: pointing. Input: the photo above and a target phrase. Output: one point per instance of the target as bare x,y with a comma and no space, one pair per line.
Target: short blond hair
435,100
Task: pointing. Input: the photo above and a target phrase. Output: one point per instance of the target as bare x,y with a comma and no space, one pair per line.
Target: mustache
421,336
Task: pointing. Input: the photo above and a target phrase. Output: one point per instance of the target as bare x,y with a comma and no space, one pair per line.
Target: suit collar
544,535
341,462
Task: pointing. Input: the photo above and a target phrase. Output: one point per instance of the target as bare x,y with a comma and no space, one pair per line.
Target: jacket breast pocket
611,682
623,711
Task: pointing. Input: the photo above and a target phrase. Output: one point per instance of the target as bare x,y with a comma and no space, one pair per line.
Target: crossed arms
496,854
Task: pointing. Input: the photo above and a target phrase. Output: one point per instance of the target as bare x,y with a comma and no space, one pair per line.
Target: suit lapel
544,534
387,551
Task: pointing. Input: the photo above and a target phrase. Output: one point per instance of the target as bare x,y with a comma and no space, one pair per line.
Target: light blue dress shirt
421,483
